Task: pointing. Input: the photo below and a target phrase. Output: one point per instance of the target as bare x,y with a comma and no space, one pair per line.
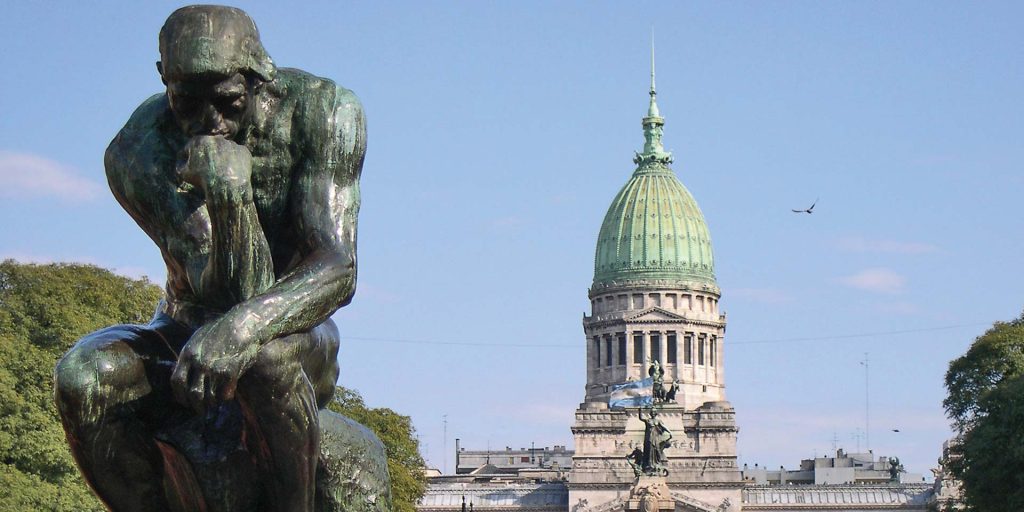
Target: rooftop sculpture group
651,460
246,177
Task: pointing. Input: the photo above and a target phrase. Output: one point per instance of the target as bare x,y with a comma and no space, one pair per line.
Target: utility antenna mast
444,444
867,402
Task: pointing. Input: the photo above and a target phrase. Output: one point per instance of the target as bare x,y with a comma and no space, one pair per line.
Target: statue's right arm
140,171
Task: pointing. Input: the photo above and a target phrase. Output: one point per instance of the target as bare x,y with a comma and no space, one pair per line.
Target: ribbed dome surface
654,230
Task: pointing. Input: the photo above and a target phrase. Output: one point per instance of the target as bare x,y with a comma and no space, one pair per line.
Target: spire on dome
652,111
653,151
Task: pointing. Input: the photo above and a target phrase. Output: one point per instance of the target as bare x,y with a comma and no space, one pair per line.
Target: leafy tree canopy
43,310
986,404
405,464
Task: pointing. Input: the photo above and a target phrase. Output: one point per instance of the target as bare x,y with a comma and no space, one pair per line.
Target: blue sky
500,131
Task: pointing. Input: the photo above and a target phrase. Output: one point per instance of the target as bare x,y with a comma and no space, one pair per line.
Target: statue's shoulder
142,145
143,133
307,87
318,101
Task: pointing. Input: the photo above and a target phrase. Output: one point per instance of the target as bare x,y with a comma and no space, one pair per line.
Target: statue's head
211,60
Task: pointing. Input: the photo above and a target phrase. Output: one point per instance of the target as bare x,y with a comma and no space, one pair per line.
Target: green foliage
994,357
405,464
986,405
43,310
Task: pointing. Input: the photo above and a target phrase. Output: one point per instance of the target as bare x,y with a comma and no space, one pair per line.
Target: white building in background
844,468
655,298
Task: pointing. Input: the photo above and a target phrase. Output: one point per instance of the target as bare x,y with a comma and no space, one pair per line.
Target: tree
986,405
43,310
405,464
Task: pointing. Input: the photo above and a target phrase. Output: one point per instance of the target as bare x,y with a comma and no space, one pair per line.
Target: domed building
654,298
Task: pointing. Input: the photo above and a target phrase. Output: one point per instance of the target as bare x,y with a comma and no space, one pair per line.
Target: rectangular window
688,350
700,303
638,301
623,301
638,348
655,299
597,352
622,348
670,301
524,459
671,348
700,351
655,347
608,351
714,351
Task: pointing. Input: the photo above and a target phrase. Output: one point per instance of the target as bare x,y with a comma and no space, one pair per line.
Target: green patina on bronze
246,177
654,230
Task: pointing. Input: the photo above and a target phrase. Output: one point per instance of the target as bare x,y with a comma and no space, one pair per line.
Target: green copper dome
653,230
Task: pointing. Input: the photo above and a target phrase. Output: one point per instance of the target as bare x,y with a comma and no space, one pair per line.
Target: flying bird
895,430
809,210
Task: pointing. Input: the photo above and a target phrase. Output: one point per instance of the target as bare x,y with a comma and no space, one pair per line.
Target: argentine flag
638,393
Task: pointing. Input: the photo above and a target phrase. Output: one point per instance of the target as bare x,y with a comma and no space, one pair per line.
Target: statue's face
210,104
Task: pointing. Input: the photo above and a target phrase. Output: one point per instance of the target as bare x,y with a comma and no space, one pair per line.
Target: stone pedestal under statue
650,494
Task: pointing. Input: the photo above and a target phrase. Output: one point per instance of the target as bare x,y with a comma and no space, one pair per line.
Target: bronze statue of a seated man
246,178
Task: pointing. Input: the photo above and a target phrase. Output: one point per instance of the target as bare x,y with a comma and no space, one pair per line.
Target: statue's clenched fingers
196,390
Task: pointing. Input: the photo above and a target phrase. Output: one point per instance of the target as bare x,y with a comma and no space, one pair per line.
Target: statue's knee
74,383
96,374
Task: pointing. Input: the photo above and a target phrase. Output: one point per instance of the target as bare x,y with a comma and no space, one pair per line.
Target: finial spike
652,61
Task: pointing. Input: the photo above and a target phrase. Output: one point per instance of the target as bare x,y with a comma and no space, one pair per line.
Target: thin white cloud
861,244
762,295
878,280
28,175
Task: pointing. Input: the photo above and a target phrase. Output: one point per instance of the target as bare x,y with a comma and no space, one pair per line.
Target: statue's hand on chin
215,164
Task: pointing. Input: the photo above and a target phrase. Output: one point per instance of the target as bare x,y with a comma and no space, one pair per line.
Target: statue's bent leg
111,389
280,394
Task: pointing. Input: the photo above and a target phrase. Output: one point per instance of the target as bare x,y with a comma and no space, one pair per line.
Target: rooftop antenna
444,444
867,403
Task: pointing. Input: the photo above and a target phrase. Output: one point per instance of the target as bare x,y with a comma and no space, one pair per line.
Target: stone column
645,347
663,347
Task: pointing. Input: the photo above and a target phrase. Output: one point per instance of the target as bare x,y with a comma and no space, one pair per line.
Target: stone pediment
681,502
654,314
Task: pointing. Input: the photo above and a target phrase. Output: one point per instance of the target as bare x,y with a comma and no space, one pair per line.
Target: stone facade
676,324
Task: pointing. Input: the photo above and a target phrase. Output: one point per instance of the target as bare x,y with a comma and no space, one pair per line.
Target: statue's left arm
325,203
